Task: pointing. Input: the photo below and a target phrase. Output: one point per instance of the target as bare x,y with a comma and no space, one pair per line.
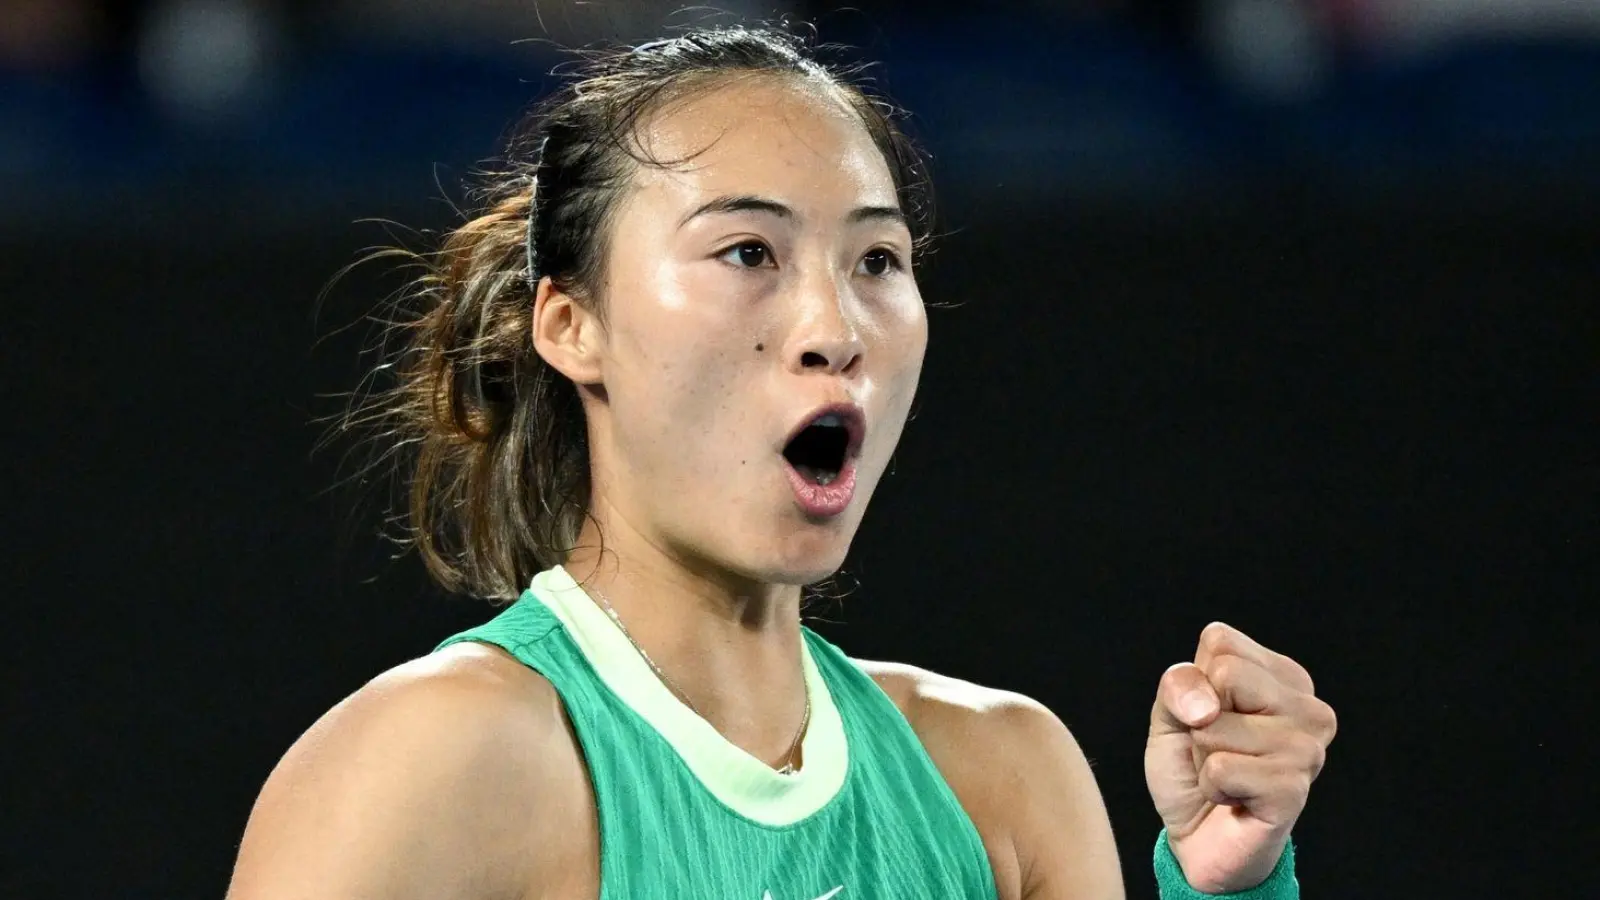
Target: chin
811,554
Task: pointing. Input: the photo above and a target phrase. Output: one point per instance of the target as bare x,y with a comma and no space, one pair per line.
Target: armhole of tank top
583,729
517,648
975,842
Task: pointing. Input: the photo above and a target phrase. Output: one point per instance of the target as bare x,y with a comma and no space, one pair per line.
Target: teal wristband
1170,880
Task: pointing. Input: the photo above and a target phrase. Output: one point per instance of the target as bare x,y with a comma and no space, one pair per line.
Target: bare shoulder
1021,776
944,700
434,779
968,727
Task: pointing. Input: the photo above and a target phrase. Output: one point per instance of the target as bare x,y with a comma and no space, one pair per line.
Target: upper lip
851,416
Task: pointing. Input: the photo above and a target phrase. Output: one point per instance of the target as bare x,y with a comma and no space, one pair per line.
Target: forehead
795,140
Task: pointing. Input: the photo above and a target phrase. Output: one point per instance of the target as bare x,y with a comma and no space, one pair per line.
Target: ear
566,334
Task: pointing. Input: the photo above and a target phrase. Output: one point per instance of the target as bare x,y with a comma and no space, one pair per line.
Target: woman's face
760,284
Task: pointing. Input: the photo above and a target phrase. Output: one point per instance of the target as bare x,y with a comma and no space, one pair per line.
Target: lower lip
824,501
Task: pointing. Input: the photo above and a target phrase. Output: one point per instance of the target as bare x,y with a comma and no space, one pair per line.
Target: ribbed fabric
892,829
1280,885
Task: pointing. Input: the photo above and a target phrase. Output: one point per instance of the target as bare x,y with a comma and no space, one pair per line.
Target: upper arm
422,784
1063,835
1022,778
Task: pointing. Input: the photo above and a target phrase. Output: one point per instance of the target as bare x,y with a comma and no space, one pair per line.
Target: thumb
1185,700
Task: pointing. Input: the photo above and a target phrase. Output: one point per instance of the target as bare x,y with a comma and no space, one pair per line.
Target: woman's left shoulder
949,708
1020,775
1022,778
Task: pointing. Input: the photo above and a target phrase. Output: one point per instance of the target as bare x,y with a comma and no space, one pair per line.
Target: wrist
1280,884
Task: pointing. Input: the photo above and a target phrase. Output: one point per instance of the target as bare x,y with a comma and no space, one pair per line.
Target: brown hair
496,438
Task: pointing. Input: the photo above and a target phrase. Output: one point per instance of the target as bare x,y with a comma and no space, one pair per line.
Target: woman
652,389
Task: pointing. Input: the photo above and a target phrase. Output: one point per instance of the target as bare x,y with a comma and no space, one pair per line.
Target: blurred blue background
129,114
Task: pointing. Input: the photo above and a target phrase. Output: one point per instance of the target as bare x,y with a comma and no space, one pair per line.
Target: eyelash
895,263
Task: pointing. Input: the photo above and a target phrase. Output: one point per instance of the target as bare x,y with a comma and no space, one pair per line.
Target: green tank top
685,814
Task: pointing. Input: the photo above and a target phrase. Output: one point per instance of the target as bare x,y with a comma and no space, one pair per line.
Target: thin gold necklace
788,768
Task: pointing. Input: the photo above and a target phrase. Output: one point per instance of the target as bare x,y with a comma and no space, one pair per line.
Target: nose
826,339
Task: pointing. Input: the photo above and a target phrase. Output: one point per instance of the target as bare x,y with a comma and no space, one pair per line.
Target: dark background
1282,314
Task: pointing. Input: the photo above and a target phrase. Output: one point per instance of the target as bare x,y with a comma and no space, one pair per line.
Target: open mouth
819,451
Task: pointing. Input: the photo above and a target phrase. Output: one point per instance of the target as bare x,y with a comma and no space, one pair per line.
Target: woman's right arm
426,783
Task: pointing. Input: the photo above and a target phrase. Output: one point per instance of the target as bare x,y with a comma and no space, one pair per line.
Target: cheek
678,365
899,340
902,333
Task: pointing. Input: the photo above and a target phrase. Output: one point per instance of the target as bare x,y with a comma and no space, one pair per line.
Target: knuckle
1216,635
1319,758
1225,669
1323,721
1305,676
1309,754
1330,724
1217,768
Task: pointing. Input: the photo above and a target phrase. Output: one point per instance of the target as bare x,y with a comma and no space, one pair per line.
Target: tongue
815,475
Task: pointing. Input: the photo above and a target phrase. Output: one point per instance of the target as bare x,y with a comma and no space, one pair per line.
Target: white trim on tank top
738,780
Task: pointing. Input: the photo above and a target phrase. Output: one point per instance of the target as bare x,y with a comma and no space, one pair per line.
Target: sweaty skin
458,775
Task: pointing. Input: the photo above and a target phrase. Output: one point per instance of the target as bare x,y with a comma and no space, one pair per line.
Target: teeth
829,421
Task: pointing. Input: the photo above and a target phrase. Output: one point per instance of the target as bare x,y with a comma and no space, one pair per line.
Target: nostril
812,360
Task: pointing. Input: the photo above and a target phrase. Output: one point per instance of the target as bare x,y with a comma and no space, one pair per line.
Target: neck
730,645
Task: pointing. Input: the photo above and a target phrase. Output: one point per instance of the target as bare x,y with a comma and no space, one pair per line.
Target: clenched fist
1236,738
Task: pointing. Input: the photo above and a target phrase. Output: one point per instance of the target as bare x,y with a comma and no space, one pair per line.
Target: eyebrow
774,208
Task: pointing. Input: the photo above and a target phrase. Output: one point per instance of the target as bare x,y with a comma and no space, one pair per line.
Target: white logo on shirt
767,895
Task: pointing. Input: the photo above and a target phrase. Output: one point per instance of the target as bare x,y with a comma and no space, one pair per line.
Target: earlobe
566,334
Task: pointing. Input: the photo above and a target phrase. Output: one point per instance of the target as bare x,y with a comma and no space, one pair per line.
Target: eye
880,262
748,255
